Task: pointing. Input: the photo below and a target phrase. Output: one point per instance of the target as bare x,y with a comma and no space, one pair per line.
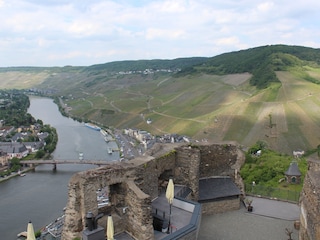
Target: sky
86,32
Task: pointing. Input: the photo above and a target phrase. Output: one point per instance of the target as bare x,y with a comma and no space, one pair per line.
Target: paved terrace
268,220
180,217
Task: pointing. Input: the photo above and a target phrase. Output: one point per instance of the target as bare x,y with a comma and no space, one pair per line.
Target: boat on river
21,174
22,235
92,126
103,132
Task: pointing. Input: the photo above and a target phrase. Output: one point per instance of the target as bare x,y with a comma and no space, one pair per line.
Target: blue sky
87,32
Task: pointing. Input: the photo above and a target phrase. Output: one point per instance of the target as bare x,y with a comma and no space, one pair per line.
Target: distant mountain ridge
258,61
140,65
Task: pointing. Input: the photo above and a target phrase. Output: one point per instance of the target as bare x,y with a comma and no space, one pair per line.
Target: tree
40,153
15,164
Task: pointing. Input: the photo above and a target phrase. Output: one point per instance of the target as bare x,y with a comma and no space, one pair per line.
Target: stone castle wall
132,185
186,171
310,203
222,160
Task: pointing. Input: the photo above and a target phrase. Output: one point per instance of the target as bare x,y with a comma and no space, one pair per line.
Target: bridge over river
33,163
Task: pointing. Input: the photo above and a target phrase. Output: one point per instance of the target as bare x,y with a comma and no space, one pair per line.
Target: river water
41,195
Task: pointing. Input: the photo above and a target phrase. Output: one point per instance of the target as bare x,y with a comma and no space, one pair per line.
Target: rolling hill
269,93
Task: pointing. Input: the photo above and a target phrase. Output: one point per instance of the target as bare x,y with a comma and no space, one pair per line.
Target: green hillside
269,93
141,65
262,62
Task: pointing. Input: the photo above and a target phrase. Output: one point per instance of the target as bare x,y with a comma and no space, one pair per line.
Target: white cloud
163,34
61,32
265,7
228,41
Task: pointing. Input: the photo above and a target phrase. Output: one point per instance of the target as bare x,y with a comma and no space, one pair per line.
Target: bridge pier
54,167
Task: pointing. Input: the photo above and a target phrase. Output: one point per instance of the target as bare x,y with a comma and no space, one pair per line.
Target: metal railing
271,192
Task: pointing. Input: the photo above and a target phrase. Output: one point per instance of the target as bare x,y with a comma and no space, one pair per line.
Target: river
41,195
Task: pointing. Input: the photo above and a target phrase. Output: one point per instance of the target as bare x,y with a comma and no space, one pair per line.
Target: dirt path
164,80
115,107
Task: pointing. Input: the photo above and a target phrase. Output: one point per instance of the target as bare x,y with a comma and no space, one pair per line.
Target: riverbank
16,174
41,195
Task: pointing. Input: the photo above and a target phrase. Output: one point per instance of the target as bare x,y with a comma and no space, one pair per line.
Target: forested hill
141,65
260,61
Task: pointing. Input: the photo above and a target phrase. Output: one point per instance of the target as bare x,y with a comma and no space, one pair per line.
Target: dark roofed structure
293,174
218,194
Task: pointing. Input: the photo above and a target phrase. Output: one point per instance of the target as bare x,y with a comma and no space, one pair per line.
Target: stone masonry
215,207
132,185
310,203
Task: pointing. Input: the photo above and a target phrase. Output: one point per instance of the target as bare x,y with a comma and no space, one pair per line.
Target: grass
21,79
242,124
272,93
295,135
268,172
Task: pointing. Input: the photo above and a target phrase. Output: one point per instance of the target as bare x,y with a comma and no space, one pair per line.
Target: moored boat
21,174
103,132
92,126
22,235
109,150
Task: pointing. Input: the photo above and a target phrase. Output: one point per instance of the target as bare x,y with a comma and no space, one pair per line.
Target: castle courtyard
269,220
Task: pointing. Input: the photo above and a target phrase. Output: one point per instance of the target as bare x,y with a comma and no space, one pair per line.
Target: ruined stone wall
223,159
73,221
139,213
149,173
186,171
310,203
219,160
82,197
135,183
210,208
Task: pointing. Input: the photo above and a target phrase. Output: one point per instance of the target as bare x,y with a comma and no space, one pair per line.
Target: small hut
293,174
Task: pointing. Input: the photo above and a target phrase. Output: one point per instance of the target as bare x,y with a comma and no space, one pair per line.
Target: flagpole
169,220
